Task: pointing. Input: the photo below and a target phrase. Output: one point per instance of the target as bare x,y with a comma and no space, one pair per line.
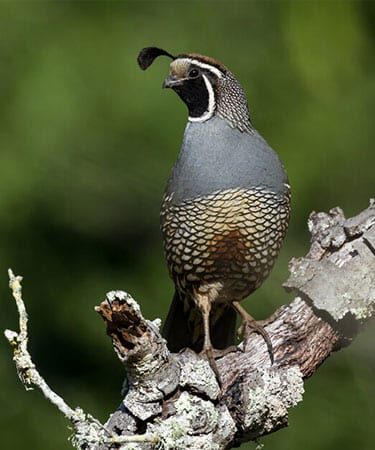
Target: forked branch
174,401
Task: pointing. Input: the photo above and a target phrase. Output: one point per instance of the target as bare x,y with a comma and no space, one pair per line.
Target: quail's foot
250,325
212,354
208,353
220,353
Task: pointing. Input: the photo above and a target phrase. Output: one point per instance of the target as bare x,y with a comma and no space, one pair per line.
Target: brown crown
206,60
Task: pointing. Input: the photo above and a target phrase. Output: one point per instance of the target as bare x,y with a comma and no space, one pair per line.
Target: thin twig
87,429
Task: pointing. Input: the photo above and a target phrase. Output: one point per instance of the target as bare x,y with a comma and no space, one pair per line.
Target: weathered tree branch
88,431
174,401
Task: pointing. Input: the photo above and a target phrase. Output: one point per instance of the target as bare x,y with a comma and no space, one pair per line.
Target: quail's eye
194,73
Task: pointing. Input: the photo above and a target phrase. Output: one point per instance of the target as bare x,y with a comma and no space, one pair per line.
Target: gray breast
215,157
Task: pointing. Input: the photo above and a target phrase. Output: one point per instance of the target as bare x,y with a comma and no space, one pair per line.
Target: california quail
226,206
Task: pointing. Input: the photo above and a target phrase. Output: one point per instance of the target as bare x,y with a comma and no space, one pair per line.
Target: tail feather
180,330
176,326
223,330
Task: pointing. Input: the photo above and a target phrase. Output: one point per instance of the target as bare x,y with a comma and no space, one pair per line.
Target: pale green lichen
197,373
124,296
270,396
197,424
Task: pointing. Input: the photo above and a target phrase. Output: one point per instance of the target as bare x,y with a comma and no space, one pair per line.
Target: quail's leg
249,325
204,306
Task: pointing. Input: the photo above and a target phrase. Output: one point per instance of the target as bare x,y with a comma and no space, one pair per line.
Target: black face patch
195,95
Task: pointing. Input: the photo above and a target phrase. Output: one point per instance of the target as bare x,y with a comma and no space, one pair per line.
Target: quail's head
205,85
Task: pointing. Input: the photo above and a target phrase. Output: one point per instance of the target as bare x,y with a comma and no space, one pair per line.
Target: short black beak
171,82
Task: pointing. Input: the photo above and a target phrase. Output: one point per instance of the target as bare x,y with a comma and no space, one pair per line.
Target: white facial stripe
197,63
211,95
211,103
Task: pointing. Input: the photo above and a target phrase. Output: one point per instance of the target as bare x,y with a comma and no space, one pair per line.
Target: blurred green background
87,141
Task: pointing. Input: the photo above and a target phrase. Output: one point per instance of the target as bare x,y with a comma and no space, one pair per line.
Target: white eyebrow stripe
212,69
211,103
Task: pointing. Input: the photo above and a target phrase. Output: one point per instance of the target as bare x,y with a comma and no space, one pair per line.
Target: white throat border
211,103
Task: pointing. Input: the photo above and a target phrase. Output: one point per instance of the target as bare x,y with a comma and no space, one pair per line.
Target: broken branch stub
152,372
337,276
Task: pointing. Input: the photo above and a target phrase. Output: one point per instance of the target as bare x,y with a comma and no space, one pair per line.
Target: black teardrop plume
147,56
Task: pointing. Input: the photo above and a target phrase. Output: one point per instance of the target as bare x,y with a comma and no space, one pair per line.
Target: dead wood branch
173,400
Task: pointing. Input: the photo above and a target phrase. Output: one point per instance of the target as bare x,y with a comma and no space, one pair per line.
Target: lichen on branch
174,400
